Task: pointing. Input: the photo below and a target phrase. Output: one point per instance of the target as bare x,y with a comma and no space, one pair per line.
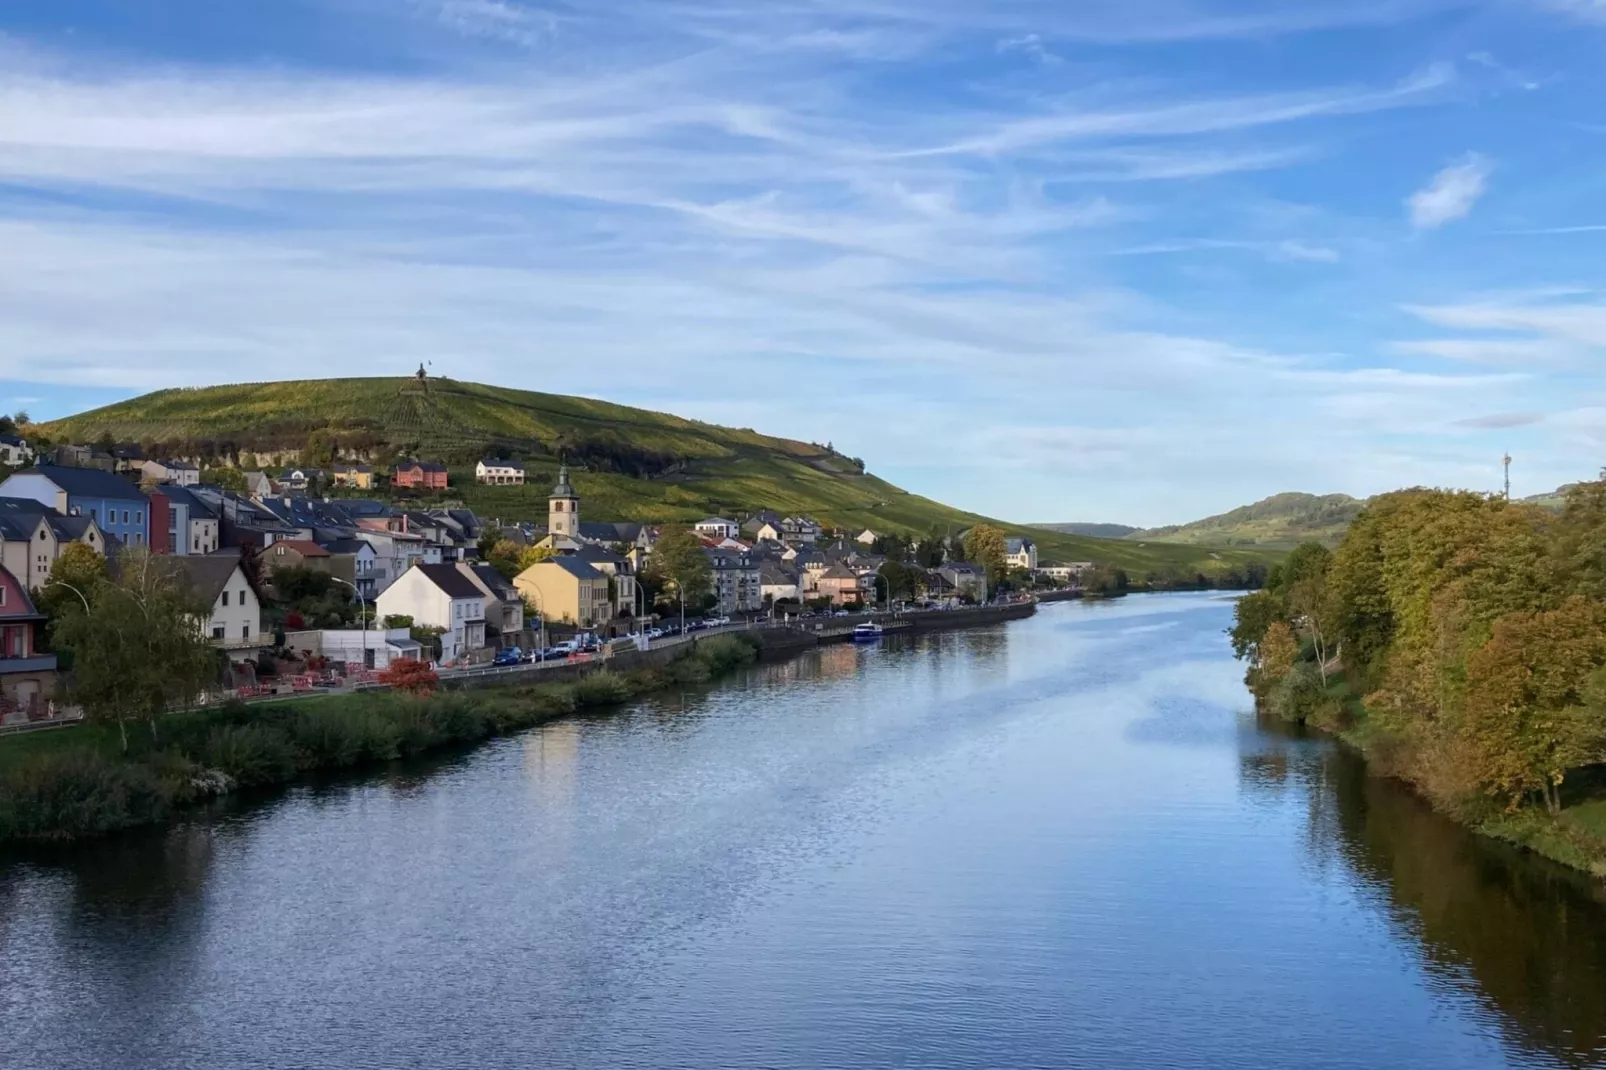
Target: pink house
27,677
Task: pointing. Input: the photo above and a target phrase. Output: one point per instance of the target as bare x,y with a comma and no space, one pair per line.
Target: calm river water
1063,842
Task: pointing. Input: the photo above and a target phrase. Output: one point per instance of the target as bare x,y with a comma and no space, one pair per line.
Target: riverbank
59,786
79,783
1576,837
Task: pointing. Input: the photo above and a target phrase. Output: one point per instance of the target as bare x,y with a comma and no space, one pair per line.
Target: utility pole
1506,460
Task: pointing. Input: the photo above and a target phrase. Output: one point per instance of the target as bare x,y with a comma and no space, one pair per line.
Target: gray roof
502,462
775,575
495,581
451,581
1015,545
204,574
598,554
199,510
576,568
346,546
423,466
89,483
563,489
839,572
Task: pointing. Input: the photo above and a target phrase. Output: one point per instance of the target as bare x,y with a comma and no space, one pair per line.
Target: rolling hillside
629,464
1095,531
1281,521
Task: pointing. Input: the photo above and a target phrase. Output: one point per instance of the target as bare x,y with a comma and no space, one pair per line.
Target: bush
80,792
605,688
251,754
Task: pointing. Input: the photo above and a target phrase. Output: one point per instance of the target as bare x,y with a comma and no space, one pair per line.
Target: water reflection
1526,937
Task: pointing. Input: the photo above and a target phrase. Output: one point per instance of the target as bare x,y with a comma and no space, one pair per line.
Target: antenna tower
1506,460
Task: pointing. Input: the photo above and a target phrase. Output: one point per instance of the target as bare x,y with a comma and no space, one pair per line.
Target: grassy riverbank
77,783
1574,837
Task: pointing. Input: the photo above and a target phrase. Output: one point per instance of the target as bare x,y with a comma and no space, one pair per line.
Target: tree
1278,651
227,478
72,580
504,557
22,419
487,543
411,676
319,451
247,461
136,643
679,568
987,546
929,552
1536,705
534,555
901,580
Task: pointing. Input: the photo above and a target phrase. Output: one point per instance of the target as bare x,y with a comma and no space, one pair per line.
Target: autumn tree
72,579
1535,698
410,676
987,546
227,478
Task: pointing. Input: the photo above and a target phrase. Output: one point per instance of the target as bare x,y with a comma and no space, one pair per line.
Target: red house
424,475
27,677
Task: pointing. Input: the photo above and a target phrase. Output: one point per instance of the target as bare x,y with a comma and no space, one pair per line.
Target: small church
562,516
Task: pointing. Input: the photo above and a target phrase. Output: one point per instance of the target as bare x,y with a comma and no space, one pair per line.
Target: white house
235,622
499,472
179,473
717,527
1067,573
866,537
439,596
1020,553
15,451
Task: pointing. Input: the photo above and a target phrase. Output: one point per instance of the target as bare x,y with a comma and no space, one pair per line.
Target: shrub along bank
1459,641
78,783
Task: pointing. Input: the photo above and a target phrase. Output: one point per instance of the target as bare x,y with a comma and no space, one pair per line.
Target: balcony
242,643
37,663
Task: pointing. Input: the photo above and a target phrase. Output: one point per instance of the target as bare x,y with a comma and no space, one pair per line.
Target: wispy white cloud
1450,194
1030,45
1500,421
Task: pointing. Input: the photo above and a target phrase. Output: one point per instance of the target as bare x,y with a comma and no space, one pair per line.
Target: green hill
1281,521
1095,531
629,464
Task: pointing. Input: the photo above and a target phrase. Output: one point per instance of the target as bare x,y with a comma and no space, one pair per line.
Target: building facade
498,471
115,505
439,596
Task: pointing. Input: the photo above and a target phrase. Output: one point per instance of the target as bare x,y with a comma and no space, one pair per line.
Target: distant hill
629,464
1281,521
1092,531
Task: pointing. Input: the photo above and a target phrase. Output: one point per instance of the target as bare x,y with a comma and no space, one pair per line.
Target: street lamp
362,605
540,609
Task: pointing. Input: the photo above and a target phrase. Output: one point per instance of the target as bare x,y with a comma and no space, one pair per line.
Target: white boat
868,632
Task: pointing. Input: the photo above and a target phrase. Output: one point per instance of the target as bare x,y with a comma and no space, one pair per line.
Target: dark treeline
1459,639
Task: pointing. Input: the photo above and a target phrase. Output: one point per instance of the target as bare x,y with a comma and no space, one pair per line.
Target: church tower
563,508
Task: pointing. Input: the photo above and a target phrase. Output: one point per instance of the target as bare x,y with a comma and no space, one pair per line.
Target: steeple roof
563,489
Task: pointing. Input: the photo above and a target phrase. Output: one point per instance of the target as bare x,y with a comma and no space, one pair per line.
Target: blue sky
1134,261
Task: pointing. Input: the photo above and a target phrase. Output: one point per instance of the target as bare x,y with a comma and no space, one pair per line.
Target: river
1061,842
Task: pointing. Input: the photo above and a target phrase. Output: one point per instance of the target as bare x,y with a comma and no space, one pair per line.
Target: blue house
112,502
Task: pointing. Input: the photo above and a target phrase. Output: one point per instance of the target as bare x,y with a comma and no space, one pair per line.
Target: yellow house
358,476
565,589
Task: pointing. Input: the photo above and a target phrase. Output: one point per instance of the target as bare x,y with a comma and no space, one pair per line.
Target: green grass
74,783
695,469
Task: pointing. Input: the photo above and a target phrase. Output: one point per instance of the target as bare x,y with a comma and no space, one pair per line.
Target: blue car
511,656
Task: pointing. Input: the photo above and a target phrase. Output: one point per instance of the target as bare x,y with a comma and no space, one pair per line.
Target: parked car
511,656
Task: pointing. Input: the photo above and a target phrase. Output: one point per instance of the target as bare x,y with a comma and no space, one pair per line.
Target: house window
217,632
245,631
225,598
2,596
139,517
125,516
